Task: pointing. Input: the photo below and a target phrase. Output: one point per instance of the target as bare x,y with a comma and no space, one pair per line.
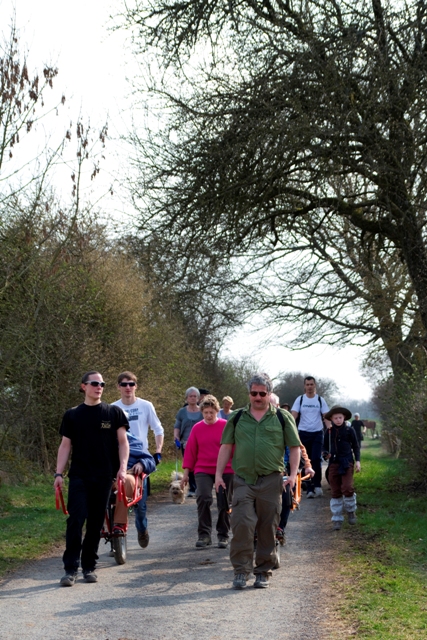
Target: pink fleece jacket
202,448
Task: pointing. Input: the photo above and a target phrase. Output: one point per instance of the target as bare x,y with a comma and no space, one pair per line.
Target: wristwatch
58,475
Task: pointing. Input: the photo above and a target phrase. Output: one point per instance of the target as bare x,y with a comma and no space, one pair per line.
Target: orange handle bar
137,493
59,498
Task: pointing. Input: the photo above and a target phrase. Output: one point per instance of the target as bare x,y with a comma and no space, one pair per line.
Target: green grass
385,558
30,524
161,479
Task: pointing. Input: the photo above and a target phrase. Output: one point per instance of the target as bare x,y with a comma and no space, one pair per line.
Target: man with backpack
308,411
259,433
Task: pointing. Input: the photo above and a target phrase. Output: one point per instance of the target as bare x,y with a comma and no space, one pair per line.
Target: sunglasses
254,394
127,384
95,383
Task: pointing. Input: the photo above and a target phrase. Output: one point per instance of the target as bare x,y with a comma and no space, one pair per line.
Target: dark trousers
192,485
205,483
286,510
313,442
87,500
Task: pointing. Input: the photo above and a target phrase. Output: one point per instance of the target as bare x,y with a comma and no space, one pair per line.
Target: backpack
279,415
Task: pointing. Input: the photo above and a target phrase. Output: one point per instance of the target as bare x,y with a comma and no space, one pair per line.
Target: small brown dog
176,493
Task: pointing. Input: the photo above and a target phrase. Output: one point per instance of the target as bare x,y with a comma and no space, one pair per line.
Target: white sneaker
310,494
318,491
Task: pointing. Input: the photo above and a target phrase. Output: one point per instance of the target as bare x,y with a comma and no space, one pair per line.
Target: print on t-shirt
132,414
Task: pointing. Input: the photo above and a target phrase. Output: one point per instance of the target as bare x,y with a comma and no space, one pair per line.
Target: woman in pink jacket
200,456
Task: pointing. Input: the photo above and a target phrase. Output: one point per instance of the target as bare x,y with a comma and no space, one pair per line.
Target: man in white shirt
308,411
141,415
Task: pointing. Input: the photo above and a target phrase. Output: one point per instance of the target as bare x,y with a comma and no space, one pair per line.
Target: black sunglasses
254,394
127,384
95,383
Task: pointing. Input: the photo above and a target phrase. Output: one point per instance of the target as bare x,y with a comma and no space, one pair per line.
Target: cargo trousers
255,507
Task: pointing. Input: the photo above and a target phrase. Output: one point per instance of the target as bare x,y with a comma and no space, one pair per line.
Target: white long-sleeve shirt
141,415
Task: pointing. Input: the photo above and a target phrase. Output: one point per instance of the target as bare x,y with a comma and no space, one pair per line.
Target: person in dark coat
341,448
359,428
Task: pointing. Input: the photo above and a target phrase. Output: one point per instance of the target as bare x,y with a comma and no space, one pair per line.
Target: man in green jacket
259,438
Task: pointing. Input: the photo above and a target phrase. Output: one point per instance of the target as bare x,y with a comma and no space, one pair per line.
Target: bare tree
290,385
307,116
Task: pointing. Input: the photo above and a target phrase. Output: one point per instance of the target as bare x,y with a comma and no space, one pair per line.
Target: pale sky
93,68
342,365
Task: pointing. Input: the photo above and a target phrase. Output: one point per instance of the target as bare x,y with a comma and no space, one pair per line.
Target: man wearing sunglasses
141,415
308,410
259,438
95,433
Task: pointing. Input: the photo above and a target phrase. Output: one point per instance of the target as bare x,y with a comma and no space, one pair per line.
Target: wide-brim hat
346,413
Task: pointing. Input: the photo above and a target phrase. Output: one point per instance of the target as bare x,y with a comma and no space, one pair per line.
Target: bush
405,421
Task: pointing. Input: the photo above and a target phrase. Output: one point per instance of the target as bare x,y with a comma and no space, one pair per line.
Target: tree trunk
415,255
43,451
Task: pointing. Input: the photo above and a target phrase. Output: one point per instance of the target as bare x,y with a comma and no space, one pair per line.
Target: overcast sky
93,68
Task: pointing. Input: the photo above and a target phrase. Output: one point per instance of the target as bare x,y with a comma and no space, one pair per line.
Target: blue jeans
313,442
140,510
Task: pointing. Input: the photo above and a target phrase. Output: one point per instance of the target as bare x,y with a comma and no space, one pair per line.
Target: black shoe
90,576
68,580
222,543
203,541
239,581
280,536
143,539
261,581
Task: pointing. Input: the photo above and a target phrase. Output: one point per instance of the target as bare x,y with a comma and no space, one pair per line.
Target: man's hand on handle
58,482
291,480
137,469
122,475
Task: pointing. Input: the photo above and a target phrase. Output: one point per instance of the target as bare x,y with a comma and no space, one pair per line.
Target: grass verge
384,558
30,524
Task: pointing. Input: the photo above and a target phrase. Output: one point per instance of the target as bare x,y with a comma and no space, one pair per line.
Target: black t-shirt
93,434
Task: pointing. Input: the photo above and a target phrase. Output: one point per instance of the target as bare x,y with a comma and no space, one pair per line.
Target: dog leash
176,466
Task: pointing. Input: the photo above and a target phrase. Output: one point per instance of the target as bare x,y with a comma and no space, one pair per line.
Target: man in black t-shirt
95,432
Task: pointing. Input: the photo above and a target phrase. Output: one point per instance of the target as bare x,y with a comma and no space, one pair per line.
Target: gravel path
173,590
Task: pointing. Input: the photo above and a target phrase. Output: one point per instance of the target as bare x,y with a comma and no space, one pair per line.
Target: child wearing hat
341,448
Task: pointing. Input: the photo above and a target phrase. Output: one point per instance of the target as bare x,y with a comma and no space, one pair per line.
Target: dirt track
173,590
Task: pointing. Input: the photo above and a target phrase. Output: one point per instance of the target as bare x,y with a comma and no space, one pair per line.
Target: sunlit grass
385,561
29,522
